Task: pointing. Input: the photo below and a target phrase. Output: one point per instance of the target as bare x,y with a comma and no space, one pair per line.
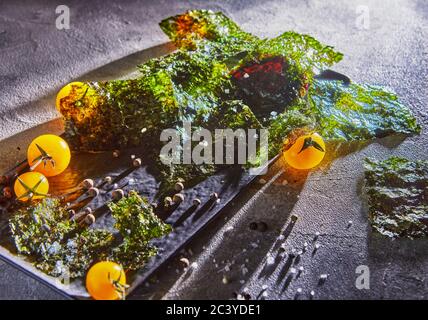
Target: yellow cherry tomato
48,154
306,152
106,280
66,91
31,186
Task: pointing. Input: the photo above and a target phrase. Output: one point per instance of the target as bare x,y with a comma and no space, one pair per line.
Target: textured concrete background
37,59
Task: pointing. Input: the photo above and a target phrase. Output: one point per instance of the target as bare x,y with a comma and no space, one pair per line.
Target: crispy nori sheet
397,196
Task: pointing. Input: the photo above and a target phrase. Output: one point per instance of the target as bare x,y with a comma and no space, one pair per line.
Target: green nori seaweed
193,84
61,247
204,75
138,225
358,111
397,196
57,243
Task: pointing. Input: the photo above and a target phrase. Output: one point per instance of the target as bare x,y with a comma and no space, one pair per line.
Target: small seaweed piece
138,225
58,244
60,247
397,196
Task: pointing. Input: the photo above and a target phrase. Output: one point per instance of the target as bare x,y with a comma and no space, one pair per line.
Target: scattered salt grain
324,276
225,280
270,260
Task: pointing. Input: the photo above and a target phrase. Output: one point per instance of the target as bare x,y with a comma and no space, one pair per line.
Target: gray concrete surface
37,59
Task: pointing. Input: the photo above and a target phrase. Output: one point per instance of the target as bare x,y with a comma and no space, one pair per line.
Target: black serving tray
186,221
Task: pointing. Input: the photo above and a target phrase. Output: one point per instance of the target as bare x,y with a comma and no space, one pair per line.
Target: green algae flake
58,245
397,196
358,111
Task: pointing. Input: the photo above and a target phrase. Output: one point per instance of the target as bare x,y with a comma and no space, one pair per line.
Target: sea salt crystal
270,260
254,245
228,229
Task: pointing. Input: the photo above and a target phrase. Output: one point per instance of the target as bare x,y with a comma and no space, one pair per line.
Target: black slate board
186,219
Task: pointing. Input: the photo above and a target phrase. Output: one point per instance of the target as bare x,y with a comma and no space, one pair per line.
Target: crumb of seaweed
396,190
138,225
60,246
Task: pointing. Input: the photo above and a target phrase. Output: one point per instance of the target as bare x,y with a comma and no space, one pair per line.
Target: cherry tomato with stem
48,154
31,186
306,152
106,280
